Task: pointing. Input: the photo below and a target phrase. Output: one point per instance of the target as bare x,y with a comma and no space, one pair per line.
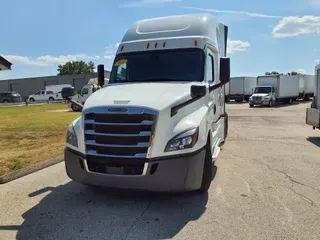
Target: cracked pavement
267,186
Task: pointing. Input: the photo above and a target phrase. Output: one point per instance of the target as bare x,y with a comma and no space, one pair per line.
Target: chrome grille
118,139
257,99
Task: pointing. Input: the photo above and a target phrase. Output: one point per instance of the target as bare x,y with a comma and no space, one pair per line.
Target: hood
260,95
153,95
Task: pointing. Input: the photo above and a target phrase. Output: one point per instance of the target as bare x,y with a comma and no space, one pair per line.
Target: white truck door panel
42,95
215,96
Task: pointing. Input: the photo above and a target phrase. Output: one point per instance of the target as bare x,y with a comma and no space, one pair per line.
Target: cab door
215,101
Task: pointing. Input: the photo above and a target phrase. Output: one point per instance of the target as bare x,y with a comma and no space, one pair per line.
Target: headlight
71,136
184,140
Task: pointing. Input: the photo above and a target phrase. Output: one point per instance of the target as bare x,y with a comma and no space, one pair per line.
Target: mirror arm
214,87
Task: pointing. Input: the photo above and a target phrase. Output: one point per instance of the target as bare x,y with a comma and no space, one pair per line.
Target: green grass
30,134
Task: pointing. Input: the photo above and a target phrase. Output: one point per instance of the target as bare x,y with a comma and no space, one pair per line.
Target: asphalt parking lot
267,186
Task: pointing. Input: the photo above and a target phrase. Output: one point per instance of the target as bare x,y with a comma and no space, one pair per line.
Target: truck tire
290,100
270,103
74,108
251,105
51,99
207,170
225,125
5,101
31,100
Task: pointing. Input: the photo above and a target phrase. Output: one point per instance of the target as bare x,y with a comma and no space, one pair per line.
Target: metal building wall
27,86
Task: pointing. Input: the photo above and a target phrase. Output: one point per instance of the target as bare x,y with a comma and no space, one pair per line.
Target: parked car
6,97
42,95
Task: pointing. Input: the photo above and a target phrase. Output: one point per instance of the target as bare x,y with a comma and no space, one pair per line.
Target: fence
26,103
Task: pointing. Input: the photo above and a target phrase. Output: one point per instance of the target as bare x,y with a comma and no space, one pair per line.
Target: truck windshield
263,90
173,65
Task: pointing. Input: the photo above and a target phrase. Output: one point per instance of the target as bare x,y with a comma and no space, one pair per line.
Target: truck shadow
278,105
314,140
74,211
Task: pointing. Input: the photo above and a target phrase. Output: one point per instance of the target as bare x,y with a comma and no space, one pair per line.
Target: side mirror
68,92
224,70
198,91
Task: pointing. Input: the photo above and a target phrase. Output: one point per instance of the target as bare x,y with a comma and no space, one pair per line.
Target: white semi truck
85,92
272,89
306,86
160,122
240,88
313,113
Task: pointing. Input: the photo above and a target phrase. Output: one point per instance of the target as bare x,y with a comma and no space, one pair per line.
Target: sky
37,36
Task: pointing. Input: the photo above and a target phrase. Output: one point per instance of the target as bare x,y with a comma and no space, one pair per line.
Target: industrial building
27,86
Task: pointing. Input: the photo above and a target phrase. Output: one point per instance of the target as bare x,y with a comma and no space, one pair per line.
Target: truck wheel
306,98
290,100
5,101
51,99
207,170
227,99
251,105
270,103
31,100
74,108
225,126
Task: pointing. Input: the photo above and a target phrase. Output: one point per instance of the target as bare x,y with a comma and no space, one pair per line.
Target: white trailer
272,89
56,88
313,113
241,88
160,122
306,86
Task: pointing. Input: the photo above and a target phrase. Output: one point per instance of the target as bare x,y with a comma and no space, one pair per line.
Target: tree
272,73
76,67
293,73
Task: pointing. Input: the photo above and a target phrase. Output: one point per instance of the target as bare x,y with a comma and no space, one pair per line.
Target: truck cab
263,95
313,113
161,121
85,92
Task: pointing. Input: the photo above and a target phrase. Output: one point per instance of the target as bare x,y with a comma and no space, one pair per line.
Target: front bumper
178,174
260,103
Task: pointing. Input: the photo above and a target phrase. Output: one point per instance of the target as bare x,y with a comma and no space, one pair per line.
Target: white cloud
111,51
109,56
143,3
302,71
49,60
315,2
237,46
249,14
295,26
